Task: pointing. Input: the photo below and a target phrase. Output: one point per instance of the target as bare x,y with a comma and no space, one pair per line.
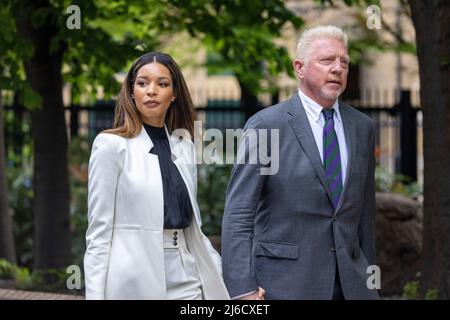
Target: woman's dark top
177,205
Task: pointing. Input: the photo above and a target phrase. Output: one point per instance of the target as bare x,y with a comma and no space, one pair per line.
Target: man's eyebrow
333,55
328,55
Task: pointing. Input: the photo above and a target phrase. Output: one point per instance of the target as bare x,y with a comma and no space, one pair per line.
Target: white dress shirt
317,122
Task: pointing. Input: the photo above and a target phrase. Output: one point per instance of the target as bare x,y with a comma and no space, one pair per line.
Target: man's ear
298,67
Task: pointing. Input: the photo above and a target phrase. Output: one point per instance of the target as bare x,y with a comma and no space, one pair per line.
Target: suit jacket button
333,249
174,243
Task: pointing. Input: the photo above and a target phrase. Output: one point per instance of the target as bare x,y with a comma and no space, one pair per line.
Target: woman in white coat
144,239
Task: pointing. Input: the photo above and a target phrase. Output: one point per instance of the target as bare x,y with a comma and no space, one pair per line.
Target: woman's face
153,93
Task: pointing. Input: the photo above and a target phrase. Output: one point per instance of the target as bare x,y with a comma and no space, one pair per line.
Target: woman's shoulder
108,136
111,141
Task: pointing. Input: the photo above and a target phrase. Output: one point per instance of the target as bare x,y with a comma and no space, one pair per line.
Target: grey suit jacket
281,232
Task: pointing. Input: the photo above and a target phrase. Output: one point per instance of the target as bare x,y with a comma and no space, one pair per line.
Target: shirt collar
314,110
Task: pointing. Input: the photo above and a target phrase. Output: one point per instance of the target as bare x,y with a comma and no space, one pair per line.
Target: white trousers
182,277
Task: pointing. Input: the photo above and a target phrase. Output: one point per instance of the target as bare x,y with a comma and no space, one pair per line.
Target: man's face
324,75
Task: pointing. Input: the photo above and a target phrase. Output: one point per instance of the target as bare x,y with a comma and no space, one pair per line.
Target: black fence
398,127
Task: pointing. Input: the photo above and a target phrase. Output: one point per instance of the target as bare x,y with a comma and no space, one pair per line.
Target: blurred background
62,63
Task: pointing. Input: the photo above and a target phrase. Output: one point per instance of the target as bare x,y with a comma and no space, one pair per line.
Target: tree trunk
51,181
430,20
7,249
18,135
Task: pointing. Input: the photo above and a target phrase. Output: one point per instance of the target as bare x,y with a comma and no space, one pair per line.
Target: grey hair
321,32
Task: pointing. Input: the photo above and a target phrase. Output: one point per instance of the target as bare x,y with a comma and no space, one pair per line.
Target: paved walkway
6,294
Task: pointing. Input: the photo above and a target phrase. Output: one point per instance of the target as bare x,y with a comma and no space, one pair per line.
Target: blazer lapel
350,137
299,123
181,159
151,170
146,142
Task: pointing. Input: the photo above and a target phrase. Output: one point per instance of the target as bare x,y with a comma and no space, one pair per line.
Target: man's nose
337,68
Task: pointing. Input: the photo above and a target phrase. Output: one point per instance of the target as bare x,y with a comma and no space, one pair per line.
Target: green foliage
432,294
397,183
23,279
19,174
242,34
21,276
79,151
52,280
7,270
13,50
20,183
411,290
112,34
19,178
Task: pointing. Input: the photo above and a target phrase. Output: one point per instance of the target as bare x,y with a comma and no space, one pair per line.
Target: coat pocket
278,250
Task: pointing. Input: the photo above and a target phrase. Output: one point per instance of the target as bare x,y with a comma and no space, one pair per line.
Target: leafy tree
430,20
241,35
10,51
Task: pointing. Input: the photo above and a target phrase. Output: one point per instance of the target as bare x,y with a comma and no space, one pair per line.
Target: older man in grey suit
307,230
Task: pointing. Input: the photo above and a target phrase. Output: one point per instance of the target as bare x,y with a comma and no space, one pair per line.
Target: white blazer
124,258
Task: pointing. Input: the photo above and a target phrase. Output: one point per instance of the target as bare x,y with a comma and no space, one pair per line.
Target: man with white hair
307,231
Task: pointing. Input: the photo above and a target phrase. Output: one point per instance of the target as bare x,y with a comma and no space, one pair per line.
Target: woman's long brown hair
181,113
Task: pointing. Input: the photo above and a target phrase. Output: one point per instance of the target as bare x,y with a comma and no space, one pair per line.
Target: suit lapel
299,123
350,137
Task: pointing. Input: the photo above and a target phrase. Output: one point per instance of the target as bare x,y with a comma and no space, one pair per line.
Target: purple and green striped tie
332,157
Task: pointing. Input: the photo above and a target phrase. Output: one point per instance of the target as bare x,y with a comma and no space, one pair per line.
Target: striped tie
332,157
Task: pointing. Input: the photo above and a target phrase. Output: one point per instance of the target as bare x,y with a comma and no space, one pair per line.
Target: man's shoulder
355,114
270,116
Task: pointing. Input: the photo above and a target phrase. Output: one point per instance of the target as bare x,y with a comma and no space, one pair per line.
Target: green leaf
30,98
